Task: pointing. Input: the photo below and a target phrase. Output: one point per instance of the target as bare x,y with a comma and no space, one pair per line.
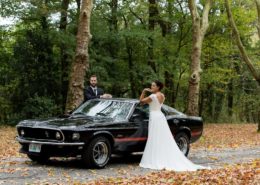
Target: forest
133,42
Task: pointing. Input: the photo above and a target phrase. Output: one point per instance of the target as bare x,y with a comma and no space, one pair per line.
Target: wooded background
132,43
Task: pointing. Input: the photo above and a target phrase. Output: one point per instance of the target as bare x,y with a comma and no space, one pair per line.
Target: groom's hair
159,84
93,76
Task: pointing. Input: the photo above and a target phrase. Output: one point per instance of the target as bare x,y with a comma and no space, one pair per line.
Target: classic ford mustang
100,127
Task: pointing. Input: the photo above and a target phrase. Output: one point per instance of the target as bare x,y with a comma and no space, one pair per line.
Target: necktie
95,91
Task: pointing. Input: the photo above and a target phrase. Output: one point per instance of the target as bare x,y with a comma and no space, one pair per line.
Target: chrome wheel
97,152
183,145
183,142
100,153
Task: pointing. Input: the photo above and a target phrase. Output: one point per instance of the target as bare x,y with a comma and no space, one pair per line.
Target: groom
92,91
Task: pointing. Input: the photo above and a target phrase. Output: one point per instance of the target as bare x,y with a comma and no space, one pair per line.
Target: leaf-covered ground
215,137
9,147
244,174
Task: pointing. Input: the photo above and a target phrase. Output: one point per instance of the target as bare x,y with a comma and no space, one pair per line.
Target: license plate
35,148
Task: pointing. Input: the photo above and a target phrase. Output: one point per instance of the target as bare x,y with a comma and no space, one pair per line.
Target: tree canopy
133,43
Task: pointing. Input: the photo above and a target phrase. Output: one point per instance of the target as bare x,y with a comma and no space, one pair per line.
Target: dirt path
66,171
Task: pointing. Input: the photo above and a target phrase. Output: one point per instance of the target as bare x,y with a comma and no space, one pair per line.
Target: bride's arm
144,99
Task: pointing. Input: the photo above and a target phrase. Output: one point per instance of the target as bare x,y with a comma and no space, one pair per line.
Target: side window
142,110
170,111
164,111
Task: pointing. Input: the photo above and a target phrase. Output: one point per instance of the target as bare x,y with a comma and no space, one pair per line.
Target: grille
40,133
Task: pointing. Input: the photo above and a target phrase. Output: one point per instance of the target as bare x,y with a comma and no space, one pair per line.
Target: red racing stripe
126,139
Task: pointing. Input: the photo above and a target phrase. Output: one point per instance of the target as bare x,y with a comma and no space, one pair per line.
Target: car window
170,111
164,111
142,109
117,110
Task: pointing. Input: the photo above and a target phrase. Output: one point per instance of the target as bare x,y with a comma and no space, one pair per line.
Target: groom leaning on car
92,91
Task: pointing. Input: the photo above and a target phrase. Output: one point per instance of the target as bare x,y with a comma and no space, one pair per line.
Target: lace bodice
155,105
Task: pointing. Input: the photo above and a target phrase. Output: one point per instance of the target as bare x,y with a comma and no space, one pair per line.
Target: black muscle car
100,127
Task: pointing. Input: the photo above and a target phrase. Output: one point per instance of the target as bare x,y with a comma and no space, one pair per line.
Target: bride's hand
147,89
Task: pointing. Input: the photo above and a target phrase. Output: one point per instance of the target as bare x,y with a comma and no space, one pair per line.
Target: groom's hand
106,96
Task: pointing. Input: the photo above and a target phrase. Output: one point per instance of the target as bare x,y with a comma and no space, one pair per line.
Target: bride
161,150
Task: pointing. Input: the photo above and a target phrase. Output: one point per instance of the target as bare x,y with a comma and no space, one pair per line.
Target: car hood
70,122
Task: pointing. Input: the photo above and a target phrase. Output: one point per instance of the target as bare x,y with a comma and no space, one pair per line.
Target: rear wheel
97,153
183,142
38,158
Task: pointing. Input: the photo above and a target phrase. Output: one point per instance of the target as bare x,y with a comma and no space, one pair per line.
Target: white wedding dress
161,150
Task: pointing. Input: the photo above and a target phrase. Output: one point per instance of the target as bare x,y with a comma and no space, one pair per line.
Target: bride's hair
159,84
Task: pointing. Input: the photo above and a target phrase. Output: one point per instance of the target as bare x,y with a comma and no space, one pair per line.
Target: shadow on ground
76,163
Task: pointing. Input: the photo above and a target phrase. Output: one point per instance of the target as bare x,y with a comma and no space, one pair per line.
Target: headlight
58,136
22,132
75,136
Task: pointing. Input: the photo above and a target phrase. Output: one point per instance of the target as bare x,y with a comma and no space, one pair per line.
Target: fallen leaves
217,136
8,145
13,170
214,136
243,174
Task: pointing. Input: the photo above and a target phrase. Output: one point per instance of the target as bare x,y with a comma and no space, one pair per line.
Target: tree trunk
151,26
154,18
219,99
240,46
169,83
130,62
199,29
113,46
258,16
81,61
230,98
175,96
75,29
201,102
113,19
130,67
63,52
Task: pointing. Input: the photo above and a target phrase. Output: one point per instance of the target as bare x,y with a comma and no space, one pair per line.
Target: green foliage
31,70
39,107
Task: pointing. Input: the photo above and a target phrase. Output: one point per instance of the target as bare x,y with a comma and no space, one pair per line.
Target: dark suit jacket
90,94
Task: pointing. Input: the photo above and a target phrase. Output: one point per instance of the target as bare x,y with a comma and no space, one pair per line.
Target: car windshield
117,110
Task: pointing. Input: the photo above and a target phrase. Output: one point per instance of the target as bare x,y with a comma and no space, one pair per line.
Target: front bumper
52,149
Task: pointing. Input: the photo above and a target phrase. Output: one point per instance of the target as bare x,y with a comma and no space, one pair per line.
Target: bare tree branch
205,19
258,16
240,45
137,16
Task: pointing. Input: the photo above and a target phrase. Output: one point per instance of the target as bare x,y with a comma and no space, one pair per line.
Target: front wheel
183,142
97,153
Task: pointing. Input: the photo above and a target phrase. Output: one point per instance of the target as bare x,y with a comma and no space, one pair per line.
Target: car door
137,131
